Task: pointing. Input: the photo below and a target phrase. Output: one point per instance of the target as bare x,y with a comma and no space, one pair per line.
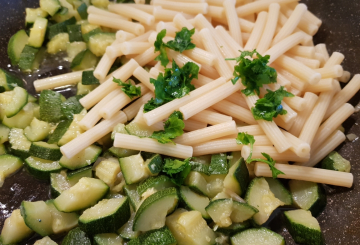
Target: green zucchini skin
76,237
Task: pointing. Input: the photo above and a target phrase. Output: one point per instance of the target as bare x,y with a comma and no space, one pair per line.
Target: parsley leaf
181,43
182,40
270,162
178,170
253,73
173,127
245,139
174,83
270,106
128,88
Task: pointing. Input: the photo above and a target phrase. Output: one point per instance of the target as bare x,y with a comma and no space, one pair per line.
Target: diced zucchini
200,164
126,231
58,43
73,130
38,130
139,129
50,6
23,118
219,164
8,81
107,171
72,49
37,32
134,197
14,230
162,236
153,211
238,177
50,106
154,164
334,161
133,169
74,33
119,128
58,183
99,42
59,131
60,27
88,30
82,10
121,152
215,184
158,183
37,217
11,102
41,168
20,145
3,149
85,89
61,222
197,183
280,191
100,3
4,133
259,196
82,159
194,201
220,210
234,228
76,236
308,196
88,78
189,227
84,60
242,212
32,14
303,227
39,58
16,45
74,176
63,14
107,238
8,165
82,195
45,241
45,151
71,106
257,236
106,216
27,58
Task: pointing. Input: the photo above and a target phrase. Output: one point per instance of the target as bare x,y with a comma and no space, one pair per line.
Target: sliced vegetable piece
73,49
37,32
158,183
76,236
8,81
50,106
60,27
50,6
37,217
61,222
162,236
58,43
82,159
74,33
154,164
23,118
133,169
42,168
194,201
4,133
126,231
27,58
108,239
38,130
237,179
88,78
121,152
280,191
71,106
197,183
107,171
59,131
99,42
334,161
20,145
257,236
58,183
200,164
45,241
234,228
134,197
45,151
16,45
84,60
219,164
14,230
11,102
32,14
242,212
74,176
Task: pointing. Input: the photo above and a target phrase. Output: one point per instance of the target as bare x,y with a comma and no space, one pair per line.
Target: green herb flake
173,127
270,162
270,106
160,46
128,88
177,170
245,139
254,73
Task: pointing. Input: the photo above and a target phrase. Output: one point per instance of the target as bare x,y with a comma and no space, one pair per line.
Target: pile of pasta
283,29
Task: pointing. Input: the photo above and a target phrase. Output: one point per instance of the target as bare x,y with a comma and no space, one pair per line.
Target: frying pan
340,31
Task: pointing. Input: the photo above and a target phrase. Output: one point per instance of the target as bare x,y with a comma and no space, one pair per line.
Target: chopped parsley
174,83
128,88
173,127
270,106
181,43
270,162
254,73
177,170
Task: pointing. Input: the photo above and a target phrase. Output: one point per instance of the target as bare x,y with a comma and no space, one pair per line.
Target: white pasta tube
311,63
104,66
144,7
190,8
257,31
246,25
146,57
201,56
231,43
321,49
191,125
221,66
291,23
270,128
123,73
94,10
207,134
209,71
232,20
280,123
119,24
133,13
170,28
296,82
297,103
344,95
299,147
298,69
235,111
316,175
215,2
271,151
321,58
303,51
134,47
290,116
92,135
58,81
322,86
258,6
332,123
270,27
330,71
315,118
201,81
151,145
345,77
237,99
283,81
252,129
93,116
211,117
209,99
133,109
283,46
144,77
180,59
225,145
216,12
333,141
164,111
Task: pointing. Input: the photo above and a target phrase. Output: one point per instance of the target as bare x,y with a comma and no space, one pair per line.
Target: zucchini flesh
82,159
58,43
8,81
74,176
38,130
88,78
139,129
219,164
50,6
37,217
42,168
107,171
197,183
16,45
134,197
45,151
73,49
59,131
194,201
108,239
37,32
19,143
334,161
23,118
242,212
126,231
45,241
122,152
76,236
280,191
237,179
14,230
220,211
82,195
27,58
3,149
158,183
133,169
106,216
162,236
32,14
8,165
50,106
61,222
58,183
4,133
84,60
11,102
257,236
99,42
